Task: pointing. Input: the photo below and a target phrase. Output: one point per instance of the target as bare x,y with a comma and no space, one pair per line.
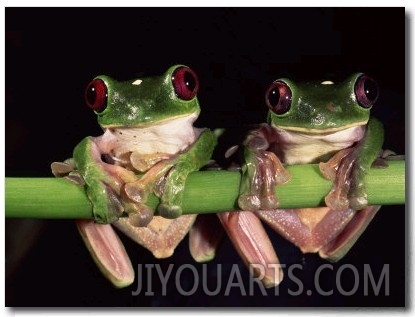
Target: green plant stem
205,192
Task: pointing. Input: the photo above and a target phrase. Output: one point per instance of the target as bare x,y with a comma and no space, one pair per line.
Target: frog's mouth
341,137
160,129
322,131
151,123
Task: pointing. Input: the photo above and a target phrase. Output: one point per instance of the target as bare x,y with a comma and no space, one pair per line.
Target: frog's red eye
96,95
185,83
278,97
366,91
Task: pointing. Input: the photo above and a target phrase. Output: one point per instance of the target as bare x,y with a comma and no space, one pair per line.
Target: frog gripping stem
262,171
348,169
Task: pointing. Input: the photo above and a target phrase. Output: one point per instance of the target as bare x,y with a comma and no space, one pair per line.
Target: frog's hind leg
204,237
329,232
107,251
340,245
161,236
253,244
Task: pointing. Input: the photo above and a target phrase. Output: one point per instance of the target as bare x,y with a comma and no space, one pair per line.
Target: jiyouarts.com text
347,280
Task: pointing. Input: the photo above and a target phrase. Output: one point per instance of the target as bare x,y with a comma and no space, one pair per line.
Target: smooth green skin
147,104
321,107
317,108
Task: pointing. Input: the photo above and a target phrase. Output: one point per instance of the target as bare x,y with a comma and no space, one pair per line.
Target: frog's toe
328,171
61,169
134,192
336,202
76,178
139,215
380,163
169,211
249,202
358,202
114,202
141,219
269,202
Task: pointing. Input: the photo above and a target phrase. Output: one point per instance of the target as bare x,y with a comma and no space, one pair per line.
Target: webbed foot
349,189
262,172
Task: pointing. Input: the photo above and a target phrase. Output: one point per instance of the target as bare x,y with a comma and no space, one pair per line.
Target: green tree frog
314,122
148,130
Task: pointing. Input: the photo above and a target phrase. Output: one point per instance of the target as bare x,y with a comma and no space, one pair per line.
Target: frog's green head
321,107
144,101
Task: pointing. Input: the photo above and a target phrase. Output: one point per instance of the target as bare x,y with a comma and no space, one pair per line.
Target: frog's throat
167,136
306,147
321,131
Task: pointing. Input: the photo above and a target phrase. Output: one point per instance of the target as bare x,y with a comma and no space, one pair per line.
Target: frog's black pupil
366,91
91,95
371,89
189,81
274,96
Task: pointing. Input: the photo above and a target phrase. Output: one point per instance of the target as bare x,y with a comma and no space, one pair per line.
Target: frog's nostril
330,107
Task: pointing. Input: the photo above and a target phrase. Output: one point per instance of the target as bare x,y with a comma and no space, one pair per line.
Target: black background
52,54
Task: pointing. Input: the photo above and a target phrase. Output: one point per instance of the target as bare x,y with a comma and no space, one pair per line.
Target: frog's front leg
168,177
192,160
261,171
348,170
103,181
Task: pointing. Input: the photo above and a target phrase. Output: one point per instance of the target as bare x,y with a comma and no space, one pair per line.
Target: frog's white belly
168,137
302,148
